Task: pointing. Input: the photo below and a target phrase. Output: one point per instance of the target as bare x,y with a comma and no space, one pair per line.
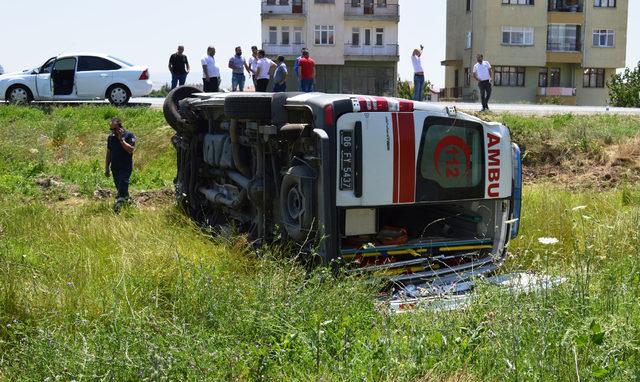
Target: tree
624,88
405,89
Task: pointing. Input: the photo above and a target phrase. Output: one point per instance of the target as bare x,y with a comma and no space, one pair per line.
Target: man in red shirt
307,72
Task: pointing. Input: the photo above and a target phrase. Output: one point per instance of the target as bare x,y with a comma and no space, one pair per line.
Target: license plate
346,160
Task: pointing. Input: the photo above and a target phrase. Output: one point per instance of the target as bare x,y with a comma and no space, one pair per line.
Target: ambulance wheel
296,203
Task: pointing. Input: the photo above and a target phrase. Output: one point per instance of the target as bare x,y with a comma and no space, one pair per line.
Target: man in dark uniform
119,160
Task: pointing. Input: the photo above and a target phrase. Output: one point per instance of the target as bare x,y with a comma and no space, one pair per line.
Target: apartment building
354,42
565,49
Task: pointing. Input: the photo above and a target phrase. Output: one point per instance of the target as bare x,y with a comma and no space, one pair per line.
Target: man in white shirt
418,74
253,65
483,73
210,72
263,71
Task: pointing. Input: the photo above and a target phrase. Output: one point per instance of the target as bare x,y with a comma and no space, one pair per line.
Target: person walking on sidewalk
280,76
119,160
418,74
238,65
483,73
210,72
307,72
179,68
263,71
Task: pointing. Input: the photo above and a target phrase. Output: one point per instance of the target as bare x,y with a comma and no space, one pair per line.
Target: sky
146,32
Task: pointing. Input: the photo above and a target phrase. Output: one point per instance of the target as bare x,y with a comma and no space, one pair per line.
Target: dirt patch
139,198
612,166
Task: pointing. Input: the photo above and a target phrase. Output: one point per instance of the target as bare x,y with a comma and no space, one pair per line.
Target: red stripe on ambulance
404,158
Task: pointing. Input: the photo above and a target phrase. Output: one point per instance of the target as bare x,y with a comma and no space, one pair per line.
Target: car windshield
451,164
120,61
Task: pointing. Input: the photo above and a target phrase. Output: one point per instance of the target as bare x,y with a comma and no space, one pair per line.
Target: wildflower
547,240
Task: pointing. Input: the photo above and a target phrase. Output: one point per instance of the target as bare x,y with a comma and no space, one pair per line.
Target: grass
146,295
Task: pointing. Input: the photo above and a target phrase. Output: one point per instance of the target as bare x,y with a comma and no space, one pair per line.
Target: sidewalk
532,109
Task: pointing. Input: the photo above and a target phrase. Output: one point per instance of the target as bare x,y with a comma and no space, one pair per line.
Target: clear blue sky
146,32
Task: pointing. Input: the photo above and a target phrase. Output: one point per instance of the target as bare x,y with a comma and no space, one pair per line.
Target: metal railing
564,46
376,9
284,50
283,7
371,50
565,6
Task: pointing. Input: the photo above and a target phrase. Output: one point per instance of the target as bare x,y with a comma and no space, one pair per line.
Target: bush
624,88
405,89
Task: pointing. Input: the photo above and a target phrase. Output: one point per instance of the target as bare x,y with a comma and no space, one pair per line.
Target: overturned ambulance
406,189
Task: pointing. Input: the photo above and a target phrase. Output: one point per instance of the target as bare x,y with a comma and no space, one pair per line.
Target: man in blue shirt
119,160
280,76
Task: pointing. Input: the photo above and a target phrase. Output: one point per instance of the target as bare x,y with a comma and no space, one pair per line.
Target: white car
82,76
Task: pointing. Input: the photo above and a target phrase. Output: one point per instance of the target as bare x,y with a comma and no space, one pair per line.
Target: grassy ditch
146,295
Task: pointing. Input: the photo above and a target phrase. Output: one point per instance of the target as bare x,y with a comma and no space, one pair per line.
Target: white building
354,42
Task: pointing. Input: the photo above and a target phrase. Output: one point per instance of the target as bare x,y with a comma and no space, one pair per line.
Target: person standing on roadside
210,72
280,76
263,71
119,160
296,68
179,67
253,65
307,72
483,73
418,74
238,64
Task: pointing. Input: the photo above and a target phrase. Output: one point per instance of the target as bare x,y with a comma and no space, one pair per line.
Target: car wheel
255,106
296,203
118,95
19,94
171,107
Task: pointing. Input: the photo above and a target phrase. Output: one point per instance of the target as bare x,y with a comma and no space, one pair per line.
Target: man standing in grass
119,160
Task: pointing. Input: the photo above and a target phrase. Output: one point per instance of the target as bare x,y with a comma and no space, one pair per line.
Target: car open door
44,87
63,78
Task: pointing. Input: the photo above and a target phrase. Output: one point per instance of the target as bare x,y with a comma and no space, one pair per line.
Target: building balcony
565,6
566,52
573,46
291,50
283,9
368,10
371,52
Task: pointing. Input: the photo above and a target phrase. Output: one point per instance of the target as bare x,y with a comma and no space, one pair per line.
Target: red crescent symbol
452,140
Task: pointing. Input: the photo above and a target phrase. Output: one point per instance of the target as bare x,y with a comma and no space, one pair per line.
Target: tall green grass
146,295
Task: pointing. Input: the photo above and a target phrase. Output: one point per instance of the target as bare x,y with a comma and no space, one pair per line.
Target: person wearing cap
280,76
307,72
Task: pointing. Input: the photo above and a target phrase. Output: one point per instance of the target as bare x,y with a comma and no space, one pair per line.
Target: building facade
541,50
354,42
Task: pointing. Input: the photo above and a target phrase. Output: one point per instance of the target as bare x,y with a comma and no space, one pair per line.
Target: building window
508,75
467,77
379,36
604,3
324,35
297,35
468,41
549,77
285,36
517,36
469,5
604,38
563,38
325,1
355,36
593,78
518,2
273,35
367,37
382,3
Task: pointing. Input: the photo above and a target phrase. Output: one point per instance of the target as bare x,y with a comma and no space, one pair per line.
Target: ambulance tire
296,203
255,107
171,108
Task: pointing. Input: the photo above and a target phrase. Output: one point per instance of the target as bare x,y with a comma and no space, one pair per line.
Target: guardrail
284,50
378,9
371,50
283,7
564,46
